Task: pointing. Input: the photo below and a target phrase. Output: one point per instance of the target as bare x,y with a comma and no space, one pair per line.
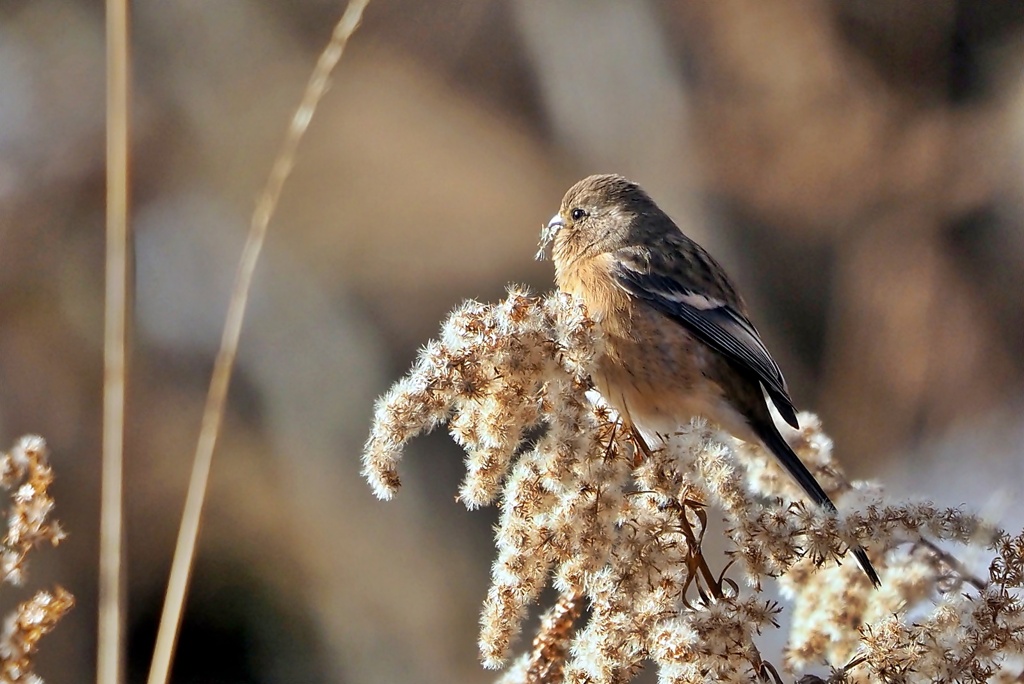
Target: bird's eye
578,213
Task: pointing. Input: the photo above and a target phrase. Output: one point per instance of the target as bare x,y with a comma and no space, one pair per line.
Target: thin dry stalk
213,413
111,609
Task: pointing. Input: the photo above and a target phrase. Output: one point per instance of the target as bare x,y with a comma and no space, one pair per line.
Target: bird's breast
653,371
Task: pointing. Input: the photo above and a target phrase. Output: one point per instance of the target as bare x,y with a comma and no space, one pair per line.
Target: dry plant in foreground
621,537
25,470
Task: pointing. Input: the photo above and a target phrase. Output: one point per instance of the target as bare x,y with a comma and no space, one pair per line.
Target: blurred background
856,164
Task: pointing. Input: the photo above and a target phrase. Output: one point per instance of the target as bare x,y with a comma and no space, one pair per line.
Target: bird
678,341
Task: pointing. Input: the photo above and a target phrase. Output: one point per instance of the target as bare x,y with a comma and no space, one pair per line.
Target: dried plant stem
958,567
551,646
714,586
170,619
111,608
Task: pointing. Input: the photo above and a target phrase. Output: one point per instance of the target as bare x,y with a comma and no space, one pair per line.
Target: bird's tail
777,444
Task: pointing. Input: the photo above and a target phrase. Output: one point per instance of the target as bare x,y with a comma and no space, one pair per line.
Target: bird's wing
715,322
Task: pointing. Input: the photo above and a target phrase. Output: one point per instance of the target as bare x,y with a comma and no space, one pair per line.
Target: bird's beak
547,234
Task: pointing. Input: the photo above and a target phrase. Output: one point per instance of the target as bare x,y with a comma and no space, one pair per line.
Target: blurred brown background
857,165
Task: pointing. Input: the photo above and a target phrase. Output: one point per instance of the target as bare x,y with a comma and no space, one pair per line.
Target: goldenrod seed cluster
620,530
25,471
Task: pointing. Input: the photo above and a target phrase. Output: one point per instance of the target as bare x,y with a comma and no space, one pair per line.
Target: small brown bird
678,342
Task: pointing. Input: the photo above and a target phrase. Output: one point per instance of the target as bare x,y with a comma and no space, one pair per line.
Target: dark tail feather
769,434
862,557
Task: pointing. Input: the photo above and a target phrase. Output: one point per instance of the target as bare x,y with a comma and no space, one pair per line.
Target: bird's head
598,214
